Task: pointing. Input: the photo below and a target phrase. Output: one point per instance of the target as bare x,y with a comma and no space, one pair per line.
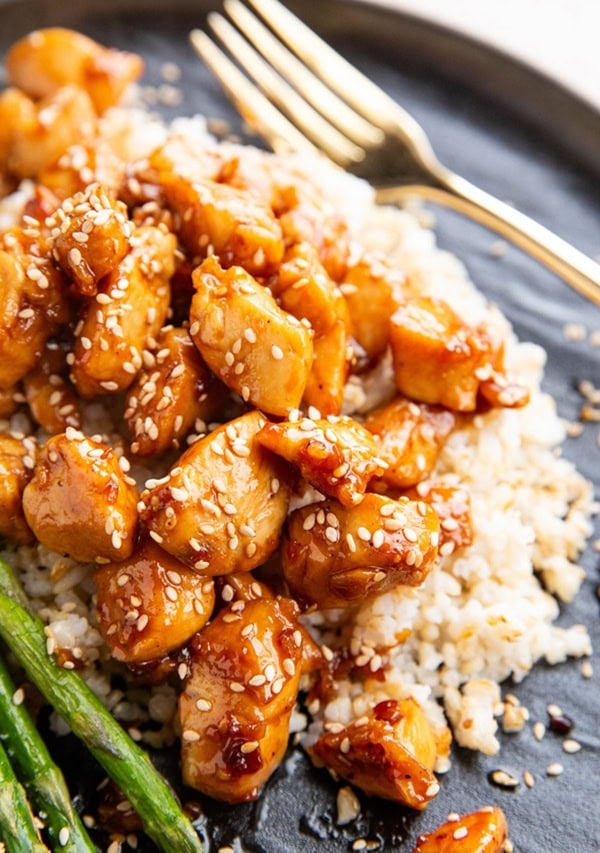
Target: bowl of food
282,487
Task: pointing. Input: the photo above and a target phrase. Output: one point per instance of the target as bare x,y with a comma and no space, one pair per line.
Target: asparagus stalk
125,762
42,778
17,829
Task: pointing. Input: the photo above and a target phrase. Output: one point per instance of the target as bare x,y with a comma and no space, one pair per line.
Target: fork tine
257,110
346,80
329,140
361,132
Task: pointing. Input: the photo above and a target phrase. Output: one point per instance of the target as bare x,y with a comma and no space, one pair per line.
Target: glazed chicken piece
82,164
409,437
16,465
373,290
239,228
39,133
45,60
150,604
305,290
222,507
452,503
236,707
170,394
389,753
255,348
439,359
9,401
50,396
91,235
336,455
33,302
131,305
79,502
483,831
334,557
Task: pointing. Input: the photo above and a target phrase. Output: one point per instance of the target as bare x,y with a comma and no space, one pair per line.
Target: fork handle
577,269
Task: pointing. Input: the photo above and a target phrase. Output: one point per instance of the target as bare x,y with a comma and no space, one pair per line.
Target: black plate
523,138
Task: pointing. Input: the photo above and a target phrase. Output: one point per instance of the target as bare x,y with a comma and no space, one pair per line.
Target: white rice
486,612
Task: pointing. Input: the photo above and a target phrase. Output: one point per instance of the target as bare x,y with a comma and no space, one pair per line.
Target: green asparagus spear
125,762
17,829
43,780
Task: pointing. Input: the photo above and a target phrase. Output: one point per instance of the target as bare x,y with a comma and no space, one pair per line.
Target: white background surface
559,37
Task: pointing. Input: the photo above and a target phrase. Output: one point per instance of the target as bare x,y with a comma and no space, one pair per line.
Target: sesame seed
190,736
203,704
289,666
571,746
528,778
432,790
236,687
278,685
171,593
378,538
142,622
345,746
461,832
18,696
363,534
554,769
276,352
63,836
249,746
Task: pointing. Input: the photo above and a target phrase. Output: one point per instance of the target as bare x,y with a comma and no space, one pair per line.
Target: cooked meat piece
45,130
45,60
150,604
236,707
90,237
16,465
305,290
221,508
336,455
9,401
437,357
80,502
255,348
50,396
373,290
131,305
389,753
483,831
452,503
409,437
333,556
170,394
237,226
33,302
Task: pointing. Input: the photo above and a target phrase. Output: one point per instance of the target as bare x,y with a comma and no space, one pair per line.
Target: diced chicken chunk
32,302
452,503
255,348
51,398
483,831
305,290
437,357
80,502
409,437
171,394
47,129
373,291
131,305
150,604
334,557
221,509
90,237
45,60
236,707
237,225
337,456
390,753
16,465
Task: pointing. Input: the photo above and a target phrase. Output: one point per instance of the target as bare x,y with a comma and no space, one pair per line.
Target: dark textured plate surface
524,139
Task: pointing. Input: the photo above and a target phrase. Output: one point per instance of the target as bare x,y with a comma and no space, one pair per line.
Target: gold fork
334,108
